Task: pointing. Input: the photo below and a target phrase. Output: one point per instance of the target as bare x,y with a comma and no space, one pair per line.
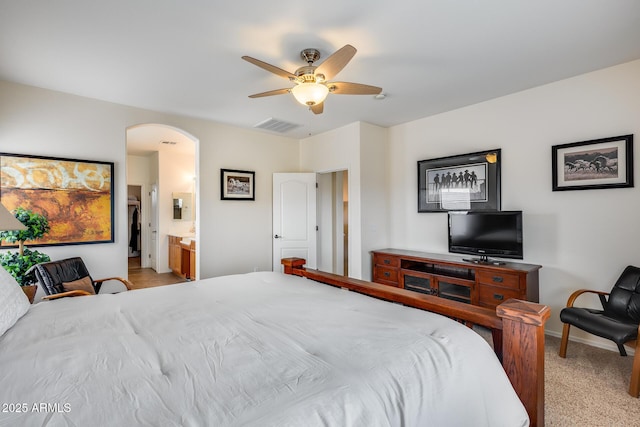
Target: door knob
277,237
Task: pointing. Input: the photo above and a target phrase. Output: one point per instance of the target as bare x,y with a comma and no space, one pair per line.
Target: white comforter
260,349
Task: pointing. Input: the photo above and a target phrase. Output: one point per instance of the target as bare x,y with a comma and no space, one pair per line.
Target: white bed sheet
261,349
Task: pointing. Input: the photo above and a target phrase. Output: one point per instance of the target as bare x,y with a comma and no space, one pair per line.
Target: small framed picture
594,164
237,185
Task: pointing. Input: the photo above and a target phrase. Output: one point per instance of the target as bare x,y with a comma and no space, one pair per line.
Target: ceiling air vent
276,125
169,142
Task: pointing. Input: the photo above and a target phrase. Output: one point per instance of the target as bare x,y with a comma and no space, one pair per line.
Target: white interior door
294,217
325,222
332,217
145,203
153,228
340,236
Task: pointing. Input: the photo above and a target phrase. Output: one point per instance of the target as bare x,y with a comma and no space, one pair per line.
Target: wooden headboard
517,328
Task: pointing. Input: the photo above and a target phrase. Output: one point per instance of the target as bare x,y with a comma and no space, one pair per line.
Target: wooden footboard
517,328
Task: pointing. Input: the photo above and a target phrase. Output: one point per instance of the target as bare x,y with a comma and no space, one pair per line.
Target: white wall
40,122
375,190
360,148
335,150
139,170
235,236
583,239
237,233
177,176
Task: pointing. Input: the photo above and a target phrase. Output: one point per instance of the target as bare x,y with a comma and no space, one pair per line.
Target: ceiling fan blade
318,108
271,68
345,88
336,62
270,93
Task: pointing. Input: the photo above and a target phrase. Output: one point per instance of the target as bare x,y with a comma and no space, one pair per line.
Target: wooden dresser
451,277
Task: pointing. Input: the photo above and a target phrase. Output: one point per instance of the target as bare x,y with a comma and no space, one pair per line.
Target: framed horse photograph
237,185
594,164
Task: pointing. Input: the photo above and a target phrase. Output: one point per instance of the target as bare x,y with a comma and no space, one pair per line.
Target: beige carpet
588,388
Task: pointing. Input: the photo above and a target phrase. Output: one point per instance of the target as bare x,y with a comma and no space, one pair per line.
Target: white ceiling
429,56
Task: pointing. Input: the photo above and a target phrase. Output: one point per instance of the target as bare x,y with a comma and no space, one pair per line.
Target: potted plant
18,263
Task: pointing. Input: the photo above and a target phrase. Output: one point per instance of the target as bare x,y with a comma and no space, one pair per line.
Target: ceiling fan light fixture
310,93
314,83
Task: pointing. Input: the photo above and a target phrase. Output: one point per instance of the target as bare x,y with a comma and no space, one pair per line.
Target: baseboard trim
606,345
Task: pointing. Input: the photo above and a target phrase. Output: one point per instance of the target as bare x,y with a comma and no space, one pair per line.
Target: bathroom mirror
182,206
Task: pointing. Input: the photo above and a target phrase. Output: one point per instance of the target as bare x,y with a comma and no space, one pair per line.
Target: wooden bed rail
517,328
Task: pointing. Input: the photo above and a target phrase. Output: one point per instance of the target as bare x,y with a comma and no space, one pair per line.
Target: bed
259,349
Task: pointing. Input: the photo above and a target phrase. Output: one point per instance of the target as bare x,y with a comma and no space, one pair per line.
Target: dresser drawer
386,260
492,296
387,275
505,280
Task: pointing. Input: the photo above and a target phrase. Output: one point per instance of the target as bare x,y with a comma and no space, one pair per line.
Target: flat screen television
487,234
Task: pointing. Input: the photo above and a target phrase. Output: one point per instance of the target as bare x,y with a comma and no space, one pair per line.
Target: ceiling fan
312,83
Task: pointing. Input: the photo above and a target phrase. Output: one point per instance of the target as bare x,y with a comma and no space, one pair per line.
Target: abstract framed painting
76,196
594,164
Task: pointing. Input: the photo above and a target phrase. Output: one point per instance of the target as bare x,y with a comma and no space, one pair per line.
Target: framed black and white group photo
463,182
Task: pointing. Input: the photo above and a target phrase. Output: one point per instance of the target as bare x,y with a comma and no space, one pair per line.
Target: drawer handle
497,279
387,274
498,297
387,261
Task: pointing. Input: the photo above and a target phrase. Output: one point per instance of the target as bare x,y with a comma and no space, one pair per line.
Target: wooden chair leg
564,341
634,385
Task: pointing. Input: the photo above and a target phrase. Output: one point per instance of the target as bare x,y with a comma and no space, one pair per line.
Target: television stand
476,281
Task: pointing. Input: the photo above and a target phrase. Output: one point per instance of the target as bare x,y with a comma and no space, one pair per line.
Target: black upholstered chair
618,320
68,277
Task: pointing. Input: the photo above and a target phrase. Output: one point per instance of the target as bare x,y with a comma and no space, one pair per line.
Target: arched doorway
161,163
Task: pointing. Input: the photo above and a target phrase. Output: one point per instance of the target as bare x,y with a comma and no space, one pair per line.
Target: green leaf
17,265
37,226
